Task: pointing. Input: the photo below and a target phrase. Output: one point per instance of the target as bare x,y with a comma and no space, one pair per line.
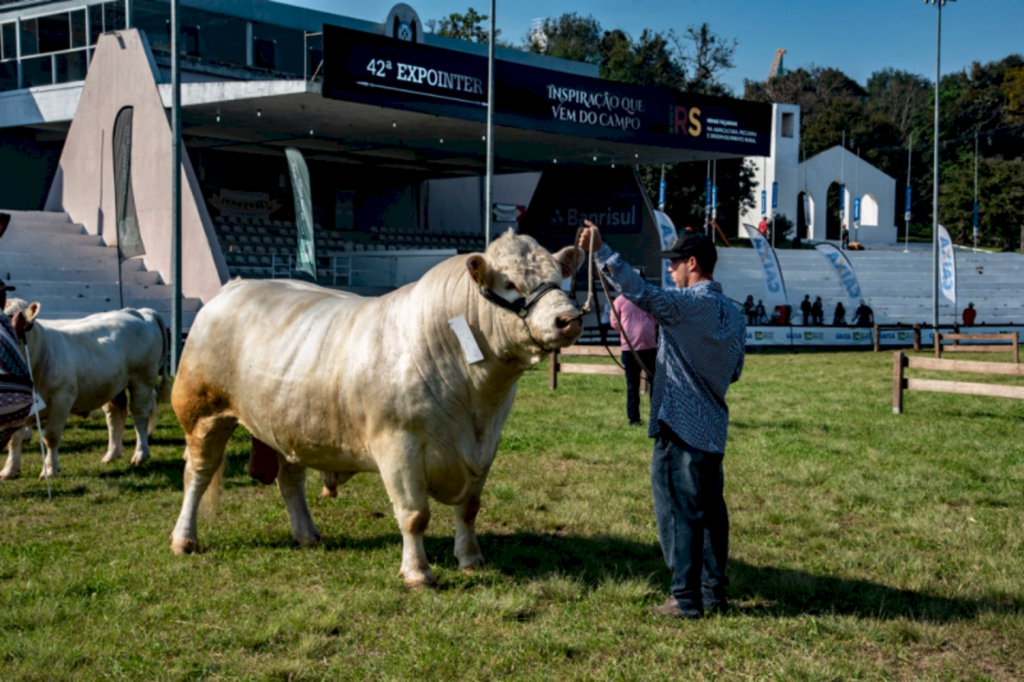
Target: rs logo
687,122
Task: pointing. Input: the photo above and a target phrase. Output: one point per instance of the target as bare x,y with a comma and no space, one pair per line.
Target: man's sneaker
672,609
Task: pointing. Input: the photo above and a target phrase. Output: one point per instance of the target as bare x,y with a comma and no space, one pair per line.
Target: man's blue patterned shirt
700,352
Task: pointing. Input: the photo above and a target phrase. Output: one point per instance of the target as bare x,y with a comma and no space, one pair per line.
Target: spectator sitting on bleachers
969,315
839,318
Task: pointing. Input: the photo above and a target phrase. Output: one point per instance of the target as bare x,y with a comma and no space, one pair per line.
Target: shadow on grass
162,474
776,592
780,592
39,493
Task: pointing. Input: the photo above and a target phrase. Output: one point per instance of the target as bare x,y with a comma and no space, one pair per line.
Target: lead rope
39,423
590,298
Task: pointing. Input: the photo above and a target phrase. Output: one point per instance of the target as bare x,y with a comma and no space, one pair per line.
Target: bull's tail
163,392
209,505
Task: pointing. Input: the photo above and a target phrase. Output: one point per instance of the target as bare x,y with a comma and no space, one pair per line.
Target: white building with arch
813,179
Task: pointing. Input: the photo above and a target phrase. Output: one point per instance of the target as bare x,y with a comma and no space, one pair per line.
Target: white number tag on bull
465,336
38,404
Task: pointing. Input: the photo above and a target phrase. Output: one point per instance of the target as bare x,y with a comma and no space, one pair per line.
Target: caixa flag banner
774,287
668,236
947,265
844,271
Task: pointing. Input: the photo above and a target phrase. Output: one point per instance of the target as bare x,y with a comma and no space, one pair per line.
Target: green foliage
895,112
469,26
865,545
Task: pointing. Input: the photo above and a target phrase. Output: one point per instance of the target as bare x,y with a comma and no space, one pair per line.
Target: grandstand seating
260,248
895,284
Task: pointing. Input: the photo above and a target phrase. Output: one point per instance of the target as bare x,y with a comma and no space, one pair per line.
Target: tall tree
705,57
569,36
469,26
899,96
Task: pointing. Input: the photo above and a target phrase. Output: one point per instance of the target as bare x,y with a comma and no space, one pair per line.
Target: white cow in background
82,365
347,384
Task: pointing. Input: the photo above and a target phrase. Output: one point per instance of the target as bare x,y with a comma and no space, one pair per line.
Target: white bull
347,384
82,365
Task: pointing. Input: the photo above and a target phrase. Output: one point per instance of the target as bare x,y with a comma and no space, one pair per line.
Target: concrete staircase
895,284
71,274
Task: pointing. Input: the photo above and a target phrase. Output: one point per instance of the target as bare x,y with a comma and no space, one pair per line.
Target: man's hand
590,230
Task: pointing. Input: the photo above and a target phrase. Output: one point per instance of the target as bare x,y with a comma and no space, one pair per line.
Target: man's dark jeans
693,522
633,372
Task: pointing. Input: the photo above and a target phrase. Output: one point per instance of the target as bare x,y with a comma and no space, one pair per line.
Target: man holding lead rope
700,353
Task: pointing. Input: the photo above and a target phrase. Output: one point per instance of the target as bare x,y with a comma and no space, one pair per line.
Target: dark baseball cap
691,244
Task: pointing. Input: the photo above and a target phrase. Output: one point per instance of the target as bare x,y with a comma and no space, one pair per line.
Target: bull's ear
477,266
32,311
570,259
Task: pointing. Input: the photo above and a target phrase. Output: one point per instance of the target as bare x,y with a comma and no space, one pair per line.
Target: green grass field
864,545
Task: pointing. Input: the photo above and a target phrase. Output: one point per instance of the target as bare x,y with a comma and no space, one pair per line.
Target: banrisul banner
844,270
947,263
305,260
774,287
374,69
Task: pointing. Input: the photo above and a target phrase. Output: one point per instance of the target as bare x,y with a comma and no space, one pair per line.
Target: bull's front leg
400,460
291,481
12,469
52,433
467,547
116,413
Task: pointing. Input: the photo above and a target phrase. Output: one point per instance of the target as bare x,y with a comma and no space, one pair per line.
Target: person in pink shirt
642,331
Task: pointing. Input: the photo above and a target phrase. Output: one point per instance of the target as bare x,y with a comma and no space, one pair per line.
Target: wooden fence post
938,344
876,337
553,370
897,382
1016,348
917,337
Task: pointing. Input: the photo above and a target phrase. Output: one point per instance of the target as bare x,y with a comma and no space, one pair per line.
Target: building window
190,41
9,41
264,53
788,121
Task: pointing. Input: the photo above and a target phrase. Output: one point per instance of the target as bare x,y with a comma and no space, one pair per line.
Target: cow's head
23,316
520,276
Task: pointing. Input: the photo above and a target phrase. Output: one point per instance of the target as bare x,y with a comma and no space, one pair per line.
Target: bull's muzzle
569,326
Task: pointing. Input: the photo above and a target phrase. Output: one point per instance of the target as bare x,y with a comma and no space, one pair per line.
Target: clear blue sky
858,37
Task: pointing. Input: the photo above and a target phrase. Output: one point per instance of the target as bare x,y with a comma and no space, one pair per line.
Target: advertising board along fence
585,367
881,328
900,383
980,343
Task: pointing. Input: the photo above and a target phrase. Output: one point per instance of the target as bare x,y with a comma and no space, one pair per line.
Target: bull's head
23,316
522,277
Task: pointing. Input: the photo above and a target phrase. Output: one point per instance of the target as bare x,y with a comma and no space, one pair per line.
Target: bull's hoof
470,564
309,541
139,458
110,457
182,546
43,475
424,581
328,491
9,475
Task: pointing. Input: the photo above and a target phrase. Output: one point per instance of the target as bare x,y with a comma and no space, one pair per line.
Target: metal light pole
935,167
175,190
489,182
906,213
